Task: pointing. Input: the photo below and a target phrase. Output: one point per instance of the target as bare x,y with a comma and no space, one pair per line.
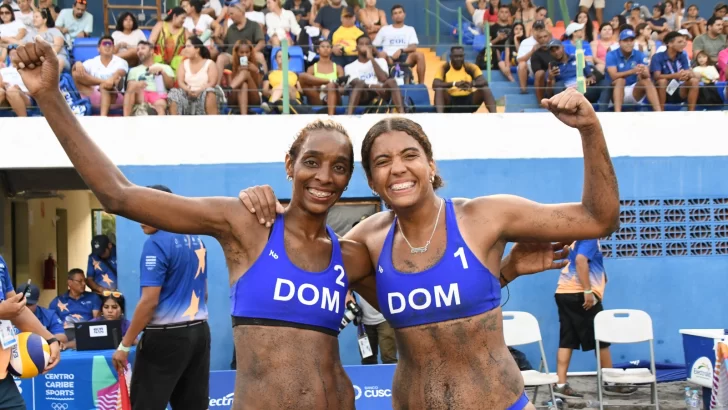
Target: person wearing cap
533,59
713,41
75,22
101,270
344,39
47,317
563,72
461,86
76,305
573,34
644,10
676,82
635,16
328,17
627,70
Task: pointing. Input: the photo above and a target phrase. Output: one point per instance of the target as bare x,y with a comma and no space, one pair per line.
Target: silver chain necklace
424,248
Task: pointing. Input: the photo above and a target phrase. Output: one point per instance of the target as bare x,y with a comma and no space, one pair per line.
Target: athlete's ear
433,169
289,167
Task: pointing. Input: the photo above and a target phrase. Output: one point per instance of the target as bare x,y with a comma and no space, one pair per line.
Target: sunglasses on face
113,293
107,44
4,13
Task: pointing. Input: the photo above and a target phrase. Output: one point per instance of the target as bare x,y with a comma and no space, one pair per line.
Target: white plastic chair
625,326
520,328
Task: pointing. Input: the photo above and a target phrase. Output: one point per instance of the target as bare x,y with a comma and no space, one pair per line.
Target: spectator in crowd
563,74
101,269
301,9
126,38
379,333
628,6
644,42
589,30
320,81
328,18
670,69
251,13
534,58
47,317
44,26
280,23
708,73
713,41
48,4
76,305
197,23
671,16
371,18
574,34
399,43
692,22
461,86
169,38
273,85
585,5
635,18
98,78
113,307
487,11
542,14
12,31
601,46
720,10
368,78
499,34
213,8
147,83
13,5
197,92
245,77
25,14
525,13
344,39
13,91
75,22
617,22
513,44
579,295
627,69
241,30
722,64
619,31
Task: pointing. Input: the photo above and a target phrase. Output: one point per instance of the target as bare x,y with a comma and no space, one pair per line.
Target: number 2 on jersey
461,254
339,280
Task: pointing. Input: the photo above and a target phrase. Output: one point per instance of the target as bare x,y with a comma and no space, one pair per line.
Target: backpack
79,105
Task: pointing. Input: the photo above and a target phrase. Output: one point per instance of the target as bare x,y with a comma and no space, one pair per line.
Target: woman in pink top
196,93
723,64
600,46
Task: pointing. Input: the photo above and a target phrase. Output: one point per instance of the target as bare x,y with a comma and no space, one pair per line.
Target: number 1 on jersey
461,254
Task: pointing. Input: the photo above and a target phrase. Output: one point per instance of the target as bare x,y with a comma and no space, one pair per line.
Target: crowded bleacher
327,56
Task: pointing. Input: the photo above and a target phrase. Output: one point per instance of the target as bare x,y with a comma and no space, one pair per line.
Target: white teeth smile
319,194
402,186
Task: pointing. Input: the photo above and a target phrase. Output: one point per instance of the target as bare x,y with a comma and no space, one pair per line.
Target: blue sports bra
457,286
275,292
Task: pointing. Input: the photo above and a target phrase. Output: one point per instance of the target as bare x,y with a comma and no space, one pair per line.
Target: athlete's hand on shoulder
533,257
262,201
38,66
572,108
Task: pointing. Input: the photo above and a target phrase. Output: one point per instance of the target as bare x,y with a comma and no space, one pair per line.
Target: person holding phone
245,77
147,83
499,33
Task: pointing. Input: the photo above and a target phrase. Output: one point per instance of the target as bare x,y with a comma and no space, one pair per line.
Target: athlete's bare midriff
280,368
461,364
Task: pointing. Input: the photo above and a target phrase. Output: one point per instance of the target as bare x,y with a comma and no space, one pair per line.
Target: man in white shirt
98,78
399,43
367,80
75,22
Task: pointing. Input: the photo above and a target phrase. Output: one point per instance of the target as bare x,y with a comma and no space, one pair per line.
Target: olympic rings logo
59,406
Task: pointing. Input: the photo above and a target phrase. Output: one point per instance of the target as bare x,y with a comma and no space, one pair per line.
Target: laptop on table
98,335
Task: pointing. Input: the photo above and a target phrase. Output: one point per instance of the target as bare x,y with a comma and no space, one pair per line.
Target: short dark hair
198,44
713,19
505,6
397,6
145,43
46,14
120,22
105,37
160,188
75,271
363,36
671,36
453,48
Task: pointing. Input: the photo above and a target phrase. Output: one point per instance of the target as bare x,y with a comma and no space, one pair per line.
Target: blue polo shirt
103,271
567,71
661,62
616,58
178,264
569,280
6,284
570,48
81,308
49,319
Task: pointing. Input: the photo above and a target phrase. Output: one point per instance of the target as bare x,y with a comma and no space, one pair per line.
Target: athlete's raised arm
38,67
596,216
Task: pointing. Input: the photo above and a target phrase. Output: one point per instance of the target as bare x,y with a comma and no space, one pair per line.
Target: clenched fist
38,66
572,108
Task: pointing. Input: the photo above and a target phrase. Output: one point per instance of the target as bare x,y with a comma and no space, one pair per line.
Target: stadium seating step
520,102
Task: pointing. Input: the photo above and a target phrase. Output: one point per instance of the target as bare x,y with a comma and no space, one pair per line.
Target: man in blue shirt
47,317
627,70
101,270
76,305
174,353
676,82
563,72
13,309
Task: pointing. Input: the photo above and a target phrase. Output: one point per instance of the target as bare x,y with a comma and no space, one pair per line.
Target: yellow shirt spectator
468,72
275,79
346,38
